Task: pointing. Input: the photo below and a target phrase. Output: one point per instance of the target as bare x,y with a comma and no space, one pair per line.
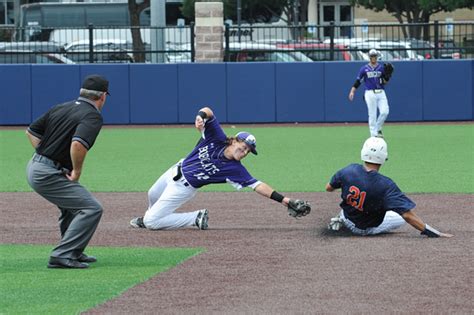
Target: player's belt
377,90
178,175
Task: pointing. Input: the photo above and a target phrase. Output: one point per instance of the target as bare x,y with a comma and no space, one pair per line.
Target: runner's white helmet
374,151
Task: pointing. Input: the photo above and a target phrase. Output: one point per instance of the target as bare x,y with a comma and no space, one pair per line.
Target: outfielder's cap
373,53
249,139
96,82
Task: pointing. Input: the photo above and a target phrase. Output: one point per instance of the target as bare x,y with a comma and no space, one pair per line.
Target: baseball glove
387,71
298,208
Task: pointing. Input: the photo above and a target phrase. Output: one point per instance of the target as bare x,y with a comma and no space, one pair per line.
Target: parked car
320,51
424,49
257,52
28,56
49,47
448,50
105,51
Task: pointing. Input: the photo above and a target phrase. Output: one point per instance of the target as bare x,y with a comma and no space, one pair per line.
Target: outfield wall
241,92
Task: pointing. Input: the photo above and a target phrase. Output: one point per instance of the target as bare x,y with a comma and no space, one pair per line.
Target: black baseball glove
298,208
387,72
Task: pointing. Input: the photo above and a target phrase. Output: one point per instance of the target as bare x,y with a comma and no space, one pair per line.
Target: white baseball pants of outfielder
376,99
391,221
164,198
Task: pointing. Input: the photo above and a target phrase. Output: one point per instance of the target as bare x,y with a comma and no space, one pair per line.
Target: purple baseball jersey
367,195
206,164
371,76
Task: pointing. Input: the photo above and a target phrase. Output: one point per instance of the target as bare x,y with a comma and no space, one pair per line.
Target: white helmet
374,151
373,53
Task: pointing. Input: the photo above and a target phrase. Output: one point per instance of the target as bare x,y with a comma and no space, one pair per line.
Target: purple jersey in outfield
367,195
206,164
371,76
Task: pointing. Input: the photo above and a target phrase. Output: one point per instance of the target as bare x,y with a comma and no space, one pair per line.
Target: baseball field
254,258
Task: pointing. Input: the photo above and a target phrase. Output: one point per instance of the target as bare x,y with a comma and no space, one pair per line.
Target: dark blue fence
241,92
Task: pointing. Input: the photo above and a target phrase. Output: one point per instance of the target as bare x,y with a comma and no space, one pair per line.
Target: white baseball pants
391,221
164,198
376,99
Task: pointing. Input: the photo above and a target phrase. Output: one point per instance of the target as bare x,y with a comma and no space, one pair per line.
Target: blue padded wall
251,92
339,78
116,109
447,90
405,92
52,85
201,85
15,104
241,92
154,94
299,92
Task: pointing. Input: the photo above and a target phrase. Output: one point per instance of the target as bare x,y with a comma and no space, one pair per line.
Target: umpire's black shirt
77,120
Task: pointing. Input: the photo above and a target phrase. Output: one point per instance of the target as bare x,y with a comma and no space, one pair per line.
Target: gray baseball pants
80,211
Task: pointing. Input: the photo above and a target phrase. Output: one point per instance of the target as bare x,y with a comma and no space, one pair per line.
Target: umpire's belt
45,160
178,175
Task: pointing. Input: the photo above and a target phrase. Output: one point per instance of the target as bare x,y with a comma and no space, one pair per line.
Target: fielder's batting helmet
374,151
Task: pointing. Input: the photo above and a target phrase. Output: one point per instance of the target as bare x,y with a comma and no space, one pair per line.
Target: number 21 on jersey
356,198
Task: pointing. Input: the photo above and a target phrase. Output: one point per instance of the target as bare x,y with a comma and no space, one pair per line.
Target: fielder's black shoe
137,223
379,134
55,262
86,259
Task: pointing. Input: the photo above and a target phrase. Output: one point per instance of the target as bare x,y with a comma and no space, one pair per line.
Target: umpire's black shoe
86,259
55,262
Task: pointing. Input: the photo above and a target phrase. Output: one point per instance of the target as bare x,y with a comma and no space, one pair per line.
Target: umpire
62,137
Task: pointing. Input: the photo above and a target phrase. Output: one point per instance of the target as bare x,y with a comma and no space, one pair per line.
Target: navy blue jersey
367,195
206,164
371,76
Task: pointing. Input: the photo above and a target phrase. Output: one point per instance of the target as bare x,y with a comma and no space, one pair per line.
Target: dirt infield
258,260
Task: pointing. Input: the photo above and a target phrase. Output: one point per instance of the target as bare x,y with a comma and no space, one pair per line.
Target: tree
134,12
414,11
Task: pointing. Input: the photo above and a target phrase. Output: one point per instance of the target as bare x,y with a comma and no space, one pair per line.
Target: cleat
201,219
335,224
137,223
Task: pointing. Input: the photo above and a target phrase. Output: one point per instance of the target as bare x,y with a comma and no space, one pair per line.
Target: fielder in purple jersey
216,158
371,202
374,76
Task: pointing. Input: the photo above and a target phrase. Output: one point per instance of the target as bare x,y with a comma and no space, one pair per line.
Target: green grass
28,287
422,158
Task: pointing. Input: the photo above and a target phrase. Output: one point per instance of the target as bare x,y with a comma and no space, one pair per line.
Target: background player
215,159
372,203
375,76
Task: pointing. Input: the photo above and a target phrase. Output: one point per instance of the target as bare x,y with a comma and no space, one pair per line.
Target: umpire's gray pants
80,211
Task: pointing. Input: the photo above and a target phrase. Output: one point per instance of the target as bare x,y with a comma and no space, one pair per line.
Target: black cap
96,82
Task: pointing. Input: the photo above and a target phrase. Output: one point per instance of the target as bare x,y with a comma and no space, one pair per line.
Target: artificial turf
28,287
426,158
